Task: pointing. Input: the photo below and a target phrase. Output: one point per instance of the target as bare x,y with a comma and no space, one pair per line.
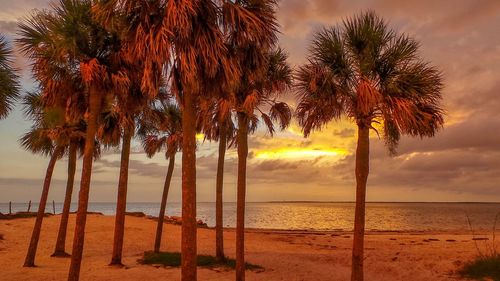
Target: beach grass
483,267
174,259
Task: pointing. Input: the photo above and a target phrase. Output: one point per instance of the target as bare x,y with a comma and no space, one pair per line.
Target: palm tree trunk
219,224
240,202
188,240
362,170
35,235
161,215
95,103
121,202
60,250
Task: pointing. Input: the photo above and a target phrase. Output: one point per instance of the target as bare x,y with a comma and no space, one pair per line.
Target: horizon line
284,201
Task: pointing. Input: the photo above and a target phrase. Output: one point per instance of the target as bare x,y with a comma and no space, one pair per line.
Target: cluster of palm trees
166,70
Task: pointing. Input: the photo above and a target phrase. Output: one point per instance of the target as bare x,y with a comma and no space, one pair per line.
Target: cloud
460,163
8,27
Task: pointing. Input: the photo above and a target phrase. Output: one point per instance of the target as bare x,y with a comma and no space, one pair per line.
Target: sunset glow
300,154
320,140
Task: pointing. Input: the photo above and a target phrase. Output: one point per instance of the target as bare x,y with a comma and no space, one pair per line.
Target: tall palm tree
57,110
61,91
153,26
161,129
188,39
185,39
71,36
50,135
367,72
9,80
258,90
217,124
76,146
119,121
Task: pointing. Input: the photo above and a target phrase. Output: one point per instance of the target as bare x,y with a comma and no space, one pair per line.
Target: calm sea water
324,216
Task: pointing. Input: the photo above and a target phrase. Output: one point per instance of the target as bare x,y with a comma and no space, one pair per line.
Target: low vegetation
482,267
174,259
20,215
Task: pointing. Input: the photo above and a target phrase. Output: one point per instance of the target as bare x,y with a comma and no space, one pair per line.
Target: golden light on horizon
298,154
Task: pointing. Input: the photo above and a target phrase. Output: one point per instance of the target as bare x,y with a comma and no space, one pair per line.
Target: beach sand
285,255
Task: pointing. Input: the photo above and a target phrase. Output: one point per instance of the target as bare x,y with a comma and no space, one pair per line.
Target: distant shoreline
282,202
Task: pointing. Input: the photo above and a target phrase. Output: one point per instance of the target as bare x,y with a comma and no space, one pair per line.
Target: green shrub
483,267
174,260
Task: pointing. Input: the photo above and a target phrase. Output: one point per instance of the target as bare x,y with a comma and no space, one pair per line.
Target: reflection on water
324,216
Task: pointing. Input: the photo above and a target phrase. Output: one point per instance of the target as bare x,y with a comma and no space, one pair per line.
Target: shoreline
275,230
284,254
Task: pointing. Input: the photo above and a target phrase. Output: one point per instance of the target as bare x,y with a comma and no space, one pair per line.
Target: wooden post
29,206
10,207
54,206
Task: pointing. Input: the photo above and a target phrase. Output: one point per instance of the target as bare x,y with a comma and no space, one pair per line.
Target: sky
461,163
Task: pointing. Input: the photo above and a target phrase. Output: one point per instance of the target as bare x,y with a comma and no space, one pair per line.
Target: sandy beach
284,255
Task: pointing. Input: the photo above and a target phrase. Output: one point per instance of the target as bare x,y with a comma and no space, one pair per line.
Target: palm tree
217,124
185,39
161,128
57,111
117,123
49,135
61,91
258,90
367,72
153,26
188,39
52,134
120,122
69,130
9,81
70,36
76,145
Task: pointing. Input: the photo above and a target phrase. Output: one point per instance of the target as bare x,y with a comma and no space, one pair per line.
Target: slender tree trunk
35,235
188,243
161,215
240,202
362,170
219,224
121,201
95,103
60,250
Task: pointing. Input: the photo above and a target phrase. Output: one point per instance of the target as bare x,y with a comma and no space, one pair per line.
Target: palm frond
37,141
9,79
364,70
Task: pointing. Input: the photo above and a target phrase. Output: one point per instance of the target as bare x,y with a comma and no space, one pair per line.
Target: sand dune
285,255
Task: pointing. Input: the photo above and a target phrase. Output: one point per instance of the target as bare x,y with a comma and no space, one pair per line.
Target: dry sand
290,256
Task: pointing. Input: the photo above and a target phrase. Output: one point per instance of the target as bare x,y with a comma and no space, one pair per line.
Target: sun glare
300,154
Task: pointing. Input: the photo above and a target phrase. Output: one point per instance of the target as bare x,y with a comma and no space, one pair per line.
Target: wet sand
284,255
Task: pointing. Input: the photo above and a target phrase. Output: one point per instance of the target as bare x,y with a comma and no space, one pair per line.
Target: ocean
323,216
